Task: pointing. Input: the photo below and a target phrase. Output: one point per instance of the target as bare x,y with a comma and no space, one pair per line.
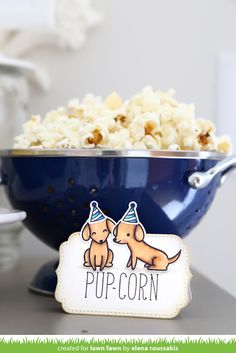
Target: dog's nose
100,241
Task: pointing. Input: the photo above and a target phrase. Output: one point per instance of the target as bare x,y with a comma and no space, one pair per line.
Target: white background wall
166,44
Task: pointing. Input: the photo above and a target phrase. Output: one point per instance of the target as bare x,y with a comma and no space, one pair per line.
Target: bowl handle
10,216
199,180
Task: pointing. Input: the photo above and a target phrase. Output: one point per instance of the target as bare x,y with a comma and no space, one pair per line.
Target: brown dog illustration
97,228
131,232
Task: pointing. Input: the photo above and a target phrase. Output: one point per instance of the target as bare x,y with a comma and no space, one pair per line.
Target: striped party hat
96,214
131,215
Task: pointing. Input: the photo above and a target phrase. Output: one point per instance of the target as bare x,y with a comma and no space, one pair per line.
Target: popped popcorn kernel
148,120
224,144
113,101
174,147
122,119
96,137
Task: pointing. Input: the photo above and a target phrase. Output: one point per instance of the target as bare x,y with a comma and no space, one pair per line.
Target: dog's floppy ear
110,224
139,232
115,230
86,233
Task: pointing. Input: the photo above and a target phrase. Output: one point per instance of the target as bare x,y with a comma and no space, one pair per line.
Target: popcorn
148,120
174,147
113,101
224,144
136,129
151,143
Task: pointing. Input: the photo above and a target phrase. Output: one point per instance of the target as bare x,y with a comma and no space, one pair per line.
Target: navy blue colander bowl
55,189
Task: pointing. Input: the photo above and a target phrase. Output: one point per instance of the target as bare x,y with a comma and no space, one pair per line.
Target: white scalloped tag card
114,268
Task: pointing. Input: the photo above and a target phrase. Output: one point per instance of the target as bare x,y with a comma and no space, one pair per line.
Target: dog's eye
94,233
128,234
104,230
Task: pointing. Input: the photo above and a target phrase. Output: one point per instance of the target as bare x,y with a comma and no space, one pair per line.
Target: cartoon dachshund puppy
98,227
131,232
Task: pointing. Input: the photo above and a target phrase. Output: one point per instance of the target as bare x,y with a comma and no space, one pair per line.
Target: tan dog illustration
131,232
97,228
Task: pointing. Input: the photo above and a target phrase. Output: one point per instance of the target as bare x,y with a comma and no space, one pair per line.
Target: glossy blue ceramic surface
56,192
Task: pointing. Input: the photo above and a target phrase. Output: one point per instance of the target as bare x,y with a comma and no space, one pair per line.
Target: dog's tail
174,258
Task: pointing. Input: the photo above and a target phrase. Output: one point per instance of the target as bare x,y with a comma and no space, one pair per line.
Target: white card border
186,298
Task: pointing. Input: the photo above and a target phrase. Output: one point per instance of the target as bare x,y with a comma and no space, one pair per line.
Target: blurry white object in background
71,20
9,245
226,95
14,97
20,14
14,101
10,229
9,216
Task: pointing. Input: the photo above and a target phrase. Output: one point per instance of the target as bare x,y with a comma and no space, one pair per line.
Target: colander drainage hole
71,198
197,210
73,212
188,228
209,192
70,182
93,191
155,187
50,189
60,204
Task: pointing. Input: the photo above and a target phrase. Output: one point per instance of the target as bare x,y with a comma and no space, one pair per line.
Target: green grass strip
115,345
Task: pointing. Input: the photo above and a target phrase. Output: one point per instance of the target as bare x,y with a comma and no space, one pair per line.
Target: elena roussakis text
138,286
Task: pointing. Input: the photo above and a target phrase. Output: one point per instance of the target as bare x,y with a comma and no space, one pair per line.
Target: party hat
96,214
131,215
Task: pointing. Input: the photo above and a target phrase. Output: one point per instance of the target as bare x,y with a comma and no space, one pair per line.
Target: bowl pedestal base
45,280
